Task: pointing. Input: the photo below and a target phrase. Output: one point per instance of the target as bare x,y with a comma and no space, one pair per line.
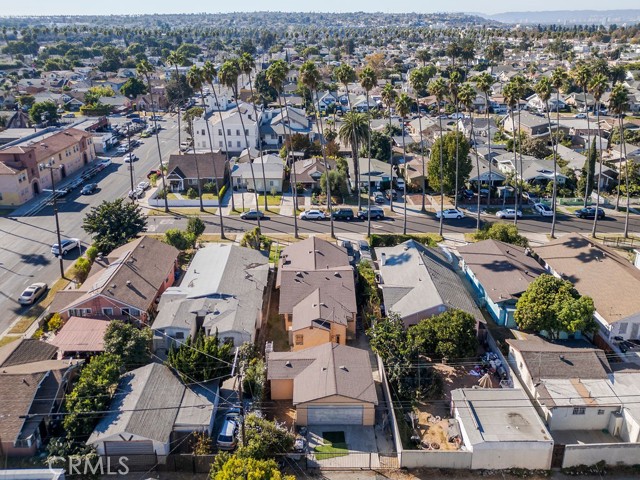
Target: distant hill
569,17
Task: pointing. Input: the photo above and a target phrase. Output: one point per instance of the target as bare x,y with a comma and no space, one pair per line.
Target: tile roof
81,334
26,350
44,145
326,370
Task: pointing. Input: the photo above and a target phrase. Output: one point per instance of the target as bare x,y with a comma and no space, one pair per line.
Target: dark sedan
252,215
589,212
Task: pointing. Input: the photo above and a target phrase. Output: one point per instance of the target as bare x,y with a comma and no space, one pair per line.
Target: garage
142,447
335,415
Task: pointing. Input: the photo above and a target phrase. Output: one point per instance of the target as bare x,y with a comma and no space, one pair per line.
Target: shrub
223,190
81,269
504,232
55,323
391,240
192,193
180,239
209,187
92,253
161,194
195,226
153,179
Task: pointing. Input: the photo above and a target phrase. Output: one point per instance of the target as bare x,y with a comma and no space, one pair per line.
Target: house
599,272
329,384
271,165
533,125
183,170
480,173
418,282
317,293
223,291
33,387
534,102
277,125
80,337
122,285
499,273
482,132
372,173
153,407
308,172
231,137
502,429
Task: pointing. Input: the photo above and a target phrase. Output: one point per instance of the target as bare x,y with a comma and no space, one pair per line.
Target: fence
621,242
436,459
611,454
391,414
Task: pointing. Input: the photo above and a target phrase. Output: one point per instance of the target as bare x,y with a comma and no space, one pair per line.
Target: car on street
76,183
543,209
508,213
377,213
450,213
580,115
61,192
184,146
343,214
130,157
122,149
89,188
69,115
135,194
32,293
252,214
144,185
590,212
145,134
105,162
228,437
312,214
155,172
68,244
391,194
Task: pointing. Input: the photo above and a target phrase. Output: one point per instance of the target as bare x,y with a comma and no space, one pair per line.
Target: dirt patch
282,411
275,331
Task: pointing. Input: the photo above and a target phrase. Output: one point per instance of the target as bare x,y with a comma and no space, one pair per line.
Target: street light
51,168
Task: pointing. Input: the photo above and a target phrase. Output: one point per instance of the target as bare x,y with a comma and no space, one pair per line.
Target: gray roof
295,286
318,309
271,170
26,350
326,370
419,280
314,254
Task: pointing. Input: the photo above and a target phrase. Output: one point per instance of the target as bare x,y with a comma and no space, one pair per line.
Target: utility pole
50,167
133,195
239,380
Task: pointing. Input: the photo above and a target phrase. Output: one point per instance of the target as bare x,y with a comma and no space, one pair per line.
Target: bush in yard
254,378
232,467
264,439
391,240
504,232
81,269
192,193
128,342
368,288
451,334
255,240
161,194
195,226
209,187
180,239
92,253
55,323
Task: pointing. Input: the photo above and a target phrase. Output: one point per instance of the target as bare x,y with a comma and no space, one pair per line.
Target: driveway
360,440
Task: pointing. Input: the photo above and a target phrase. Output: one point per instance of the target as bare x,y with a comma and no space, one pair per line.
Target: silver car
32,293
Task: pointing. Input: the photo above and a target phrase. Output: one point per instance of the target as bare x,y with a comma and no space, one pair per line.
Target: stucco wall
317,336
435,459
611,454
501,455
562,418
281,389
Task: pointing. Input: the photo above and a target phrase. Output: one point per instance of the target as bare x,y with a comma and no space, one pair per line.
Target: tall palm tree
276,76
511,98
454,84
310,78
389,95
484,81
438,88
368,80
228,75
247,64
209,74
581,75
403,106
177,59
467,95
598,85
145,69
353,132
189,116
559,78
618,102
197,77
543,90
521,86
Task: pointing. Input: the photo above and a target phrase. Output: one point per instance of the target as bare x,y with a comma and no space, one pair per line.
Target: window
179,335
108,311
193,181
228,131
600,411
299,339
579,410
230,143
271,183
622,328
203,131
220,144
238,144
219,131
246,131
237,132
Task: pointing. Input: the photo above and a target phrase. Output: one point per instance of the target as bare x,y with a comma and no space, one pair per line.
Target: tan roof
598,272
326,370
318,309
81,335
314,254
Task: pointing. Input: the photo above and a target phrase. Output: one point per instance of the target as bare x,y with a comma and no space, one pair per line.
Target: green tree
180,239
26,100
354,132
255,240
195,226
264,439
553,305
112,224
133,87
449,161
46,111
438,88
202,359
504,232
81,269
337,183
128,342
451,334
235,468
587,173
380,146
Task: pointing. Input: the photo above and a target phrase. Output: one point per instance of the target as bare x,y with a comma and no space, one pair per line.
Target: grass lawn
272,200
209,196
274,252
334,446
181,212
22,325
8,339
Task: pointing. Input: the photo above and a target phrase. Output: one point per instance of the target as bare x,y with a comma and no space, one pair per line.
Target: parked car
544,210
450,213
590,212
391,194
348,246
122,149
130,157
580,115
105,162
508,213
76,183
69,115
376,213
61,192
343,214
32,293
133,115
313,214
364,249
68,244
467,194
155,172
400,183
144,185
228,436
135,194
145,134
379,199
252,215
89,188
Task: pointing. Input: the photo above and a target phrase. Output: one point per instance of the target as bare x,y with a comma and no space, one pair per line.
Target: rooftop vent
288,364
128,283
336,274
299,274
342,367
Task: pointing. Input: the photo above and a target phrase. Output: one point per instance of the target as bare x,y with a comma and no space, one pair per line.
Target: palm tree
618,102
559,78
145,69
276,75
403,106
247,65
454,84
310,78
581,75
521,86
388,97
228,75
189,116
368,80
177,59
354,131
467,95
598,85
484,81
438,88
197,77
511,97
543,90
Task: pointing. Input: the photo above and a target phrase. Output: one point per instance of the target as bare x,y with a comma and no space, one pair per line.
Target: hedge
391,240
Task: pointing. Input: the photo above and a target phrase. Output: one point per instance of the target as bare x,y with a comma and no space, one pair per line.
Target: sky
105,7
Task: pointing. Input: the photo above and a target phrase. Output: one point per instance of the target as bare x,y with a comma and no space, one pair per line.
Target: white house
231,137
271,165
277,124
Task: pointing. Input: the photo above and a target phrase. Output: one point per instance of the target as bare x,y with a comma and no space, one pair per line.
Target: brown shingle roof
318,308
325,370
26,350
185,165
296,286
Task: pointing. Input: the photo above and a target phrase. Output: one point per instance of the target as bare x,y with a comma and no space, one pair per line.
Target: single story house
242,175
371,176
80,337
329,384
308,172
183,171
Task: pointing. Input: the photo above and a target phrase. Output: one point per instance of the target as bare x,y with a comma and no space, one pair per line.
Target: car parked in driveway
151,173
590,212
68,244
313,214
377,213
543,209
252,215
343,214
228,436
32,293
364,250
89,188
450,213
509,213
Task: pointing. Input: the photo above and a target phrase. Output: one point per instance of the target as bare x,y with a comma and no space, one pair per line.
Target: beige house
329,384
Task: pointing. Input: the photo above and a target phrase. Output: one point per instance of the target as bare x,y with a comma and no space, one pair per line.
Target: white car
450,213
144,186
130,157
312,215
105,162
509,213
32,293
68,244
544,210
122,149
400,183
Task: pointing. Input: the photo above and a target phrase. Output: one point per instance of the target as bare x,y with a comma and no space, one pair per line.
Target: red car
157,173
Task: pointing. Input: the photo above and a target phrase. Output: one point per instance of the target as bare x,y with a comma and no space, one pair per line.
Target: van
228,436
